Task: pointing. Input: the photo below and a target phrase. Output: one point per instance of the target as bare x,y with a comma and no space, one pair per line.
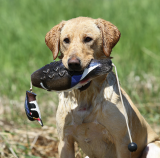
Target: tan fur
52,39
94,118
110,35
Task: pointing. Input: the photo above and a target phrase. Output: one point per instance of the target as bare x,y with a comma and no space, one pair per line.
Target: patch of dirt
30,143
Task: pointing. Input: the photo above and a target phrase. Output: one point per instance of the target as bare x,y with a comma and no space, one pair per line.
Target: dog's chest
91,136
86,127
84,123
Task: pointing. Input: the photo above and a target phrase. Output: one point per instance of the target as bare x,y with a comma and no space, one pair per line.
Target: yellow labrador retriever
93,115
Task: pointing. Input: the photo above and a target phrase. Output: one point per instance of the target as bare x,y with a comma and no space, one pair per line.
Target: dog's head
82,39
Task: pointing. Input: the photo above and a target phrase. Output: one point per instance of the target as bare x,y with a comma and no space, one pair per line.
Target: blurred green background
24,24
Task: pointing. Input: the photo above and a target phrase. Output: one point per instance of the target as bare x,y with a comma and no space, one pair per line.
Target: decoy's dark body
55,76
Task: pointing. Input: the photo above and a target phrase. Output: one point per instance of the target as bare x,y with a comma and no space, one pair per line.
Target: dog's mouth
85,85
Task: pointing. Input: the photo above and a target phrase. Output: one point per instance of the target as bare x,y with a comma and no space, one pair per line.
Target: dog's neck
94,88
84,99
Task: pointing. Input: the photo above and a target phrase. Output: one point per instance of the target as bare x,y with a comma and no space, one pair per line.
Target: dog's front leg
66,148
122,151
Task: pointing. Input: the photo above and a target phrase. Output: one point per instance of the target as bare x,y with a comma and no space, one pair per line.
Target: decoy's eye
88,39
66,40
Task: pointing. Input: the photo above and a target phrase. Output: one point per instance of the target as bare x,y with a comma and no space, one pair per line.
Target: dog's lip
85,86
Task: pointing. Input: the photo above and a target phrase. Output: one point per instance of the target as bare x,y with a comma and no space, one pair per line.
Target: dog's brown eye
88,39
66,40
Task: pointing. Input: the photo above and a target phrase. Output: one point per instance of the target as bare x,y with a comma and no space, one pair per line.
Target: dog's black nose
74,64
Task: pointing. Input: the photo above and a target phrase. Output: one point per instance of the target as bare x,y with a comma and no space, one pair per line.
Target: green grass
24,24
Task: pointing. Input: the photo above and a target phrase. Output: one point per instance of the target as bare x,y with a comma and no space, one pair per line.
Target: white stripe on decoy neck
87,70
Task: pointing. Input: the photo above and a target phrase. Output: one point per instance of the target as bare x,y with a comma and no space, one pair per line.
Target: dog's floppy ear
52,39
110,35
